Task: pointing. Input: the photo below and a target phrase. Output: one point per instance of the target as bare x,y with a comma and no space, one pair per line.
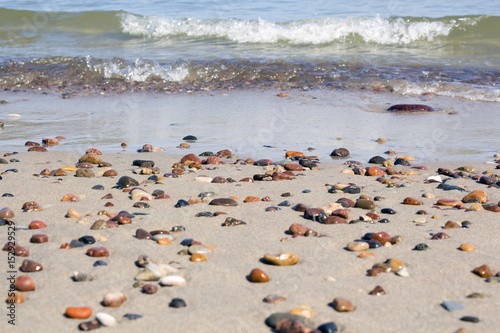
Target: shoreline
218,294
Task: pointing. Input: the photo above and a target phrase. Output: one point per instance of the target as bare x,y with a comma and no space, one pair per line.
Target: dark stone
177,303
126,181
39,238
205,214
143,163
142,234
223,202
285,203
421,247
132,316
262,177
263,163
187,242
76,243
388,211
141,204
100,263
98,187
189,138
374,244
275,318
30,266
299,207
181,203
402,161
87,239
157,193
206,154
470,319
384,220
410,108
312,213
89,325
306,191
352,189
7,195
377,160
340,152
330,327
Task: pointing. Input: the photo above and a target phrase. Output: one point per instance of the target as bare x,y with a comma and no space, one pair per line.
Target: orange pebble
366,254
198,257
79,312
252,199
164,241
235,198
467,247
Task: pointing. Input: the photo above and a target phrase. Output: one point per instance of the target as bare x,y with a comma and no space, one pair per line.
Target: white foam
140,71
315,31
458,90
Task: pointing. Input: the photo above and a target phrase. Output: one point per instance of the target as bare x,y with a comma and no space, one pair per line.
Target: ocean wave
376,30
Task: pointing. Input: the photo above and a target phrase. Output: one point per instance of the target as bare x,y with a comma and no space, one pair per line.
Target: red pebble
98,252
37,225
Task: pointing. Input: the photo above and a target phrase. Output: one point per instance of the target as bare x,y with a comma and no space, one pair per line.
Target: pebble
126,182
78,312
15,297
31,266
81,277
365,204
483,271
275,318
440,235
358,246
470,319
403,272
149,289
452,306
342,305
114,299
6,213
100,263
274,299
231,222
85,173
410,108
172,281
388,211
258,275
329,327
198,257
37,225
132,316
411,201
39,238
340,152
24,283
377,291
100,188
177,303
72,213
477,196
283,259
421,247
224,202
105,319
89,325
98,252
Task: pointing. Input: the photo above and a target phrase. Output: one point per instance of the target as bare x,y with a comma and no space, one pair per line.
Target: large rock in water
340,152
410,108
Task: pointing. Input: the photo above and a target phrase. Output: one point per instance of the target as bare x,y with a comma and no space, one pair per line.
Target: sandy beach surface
218,295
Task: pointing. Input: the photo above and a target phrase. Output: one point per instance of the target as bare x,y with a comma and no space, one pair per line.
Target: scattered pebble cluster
350,207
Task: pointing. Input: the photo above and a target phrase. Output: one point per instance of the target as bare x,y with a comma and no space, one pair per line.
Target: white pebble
173,281
403,272
105,319
204,179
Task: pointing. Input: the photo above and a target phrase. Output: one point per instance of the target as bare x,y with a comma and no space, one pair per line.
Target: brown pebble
39,238
273,299
149,289
450,202
21,251
483,271
114,300
24,283
89,325
142,234
69,198
198,257
15,297
476,196
6,213
90,158
258,275
110,173
342,305
38,148
30,266
451,225
224,202
378,290
411,201
374,171
440,235
382,237
98,252
410,108
298,229
252,199
37,225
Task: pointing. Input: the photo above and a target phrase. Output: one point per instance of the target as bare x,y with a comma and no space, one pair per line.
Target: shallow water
270,126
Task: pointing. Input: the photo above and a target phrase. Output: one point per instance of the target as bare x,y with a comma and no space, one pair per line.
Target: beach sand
218,295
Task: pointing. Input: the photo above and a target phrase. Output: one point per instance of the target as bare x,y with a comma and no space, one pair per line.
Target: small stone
274,299
89,325
283,259
275,318
30,266
421,247
365,204
231,222
198,257
388,211
24,283
110,173
72,213
78,312
98,252
329,327
374,171
382,237
126,181
452,306
440,235
37,225
483,271
403,272
177,303
257,275
340,152
39,238
466,247
81,277
377,291
358,246
342,305
172,281
100,188
105,319
85,173
6,213
411,201
224,202
15,297
90,158
70,198
100,263
451,225
114,299
132,316
470,319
